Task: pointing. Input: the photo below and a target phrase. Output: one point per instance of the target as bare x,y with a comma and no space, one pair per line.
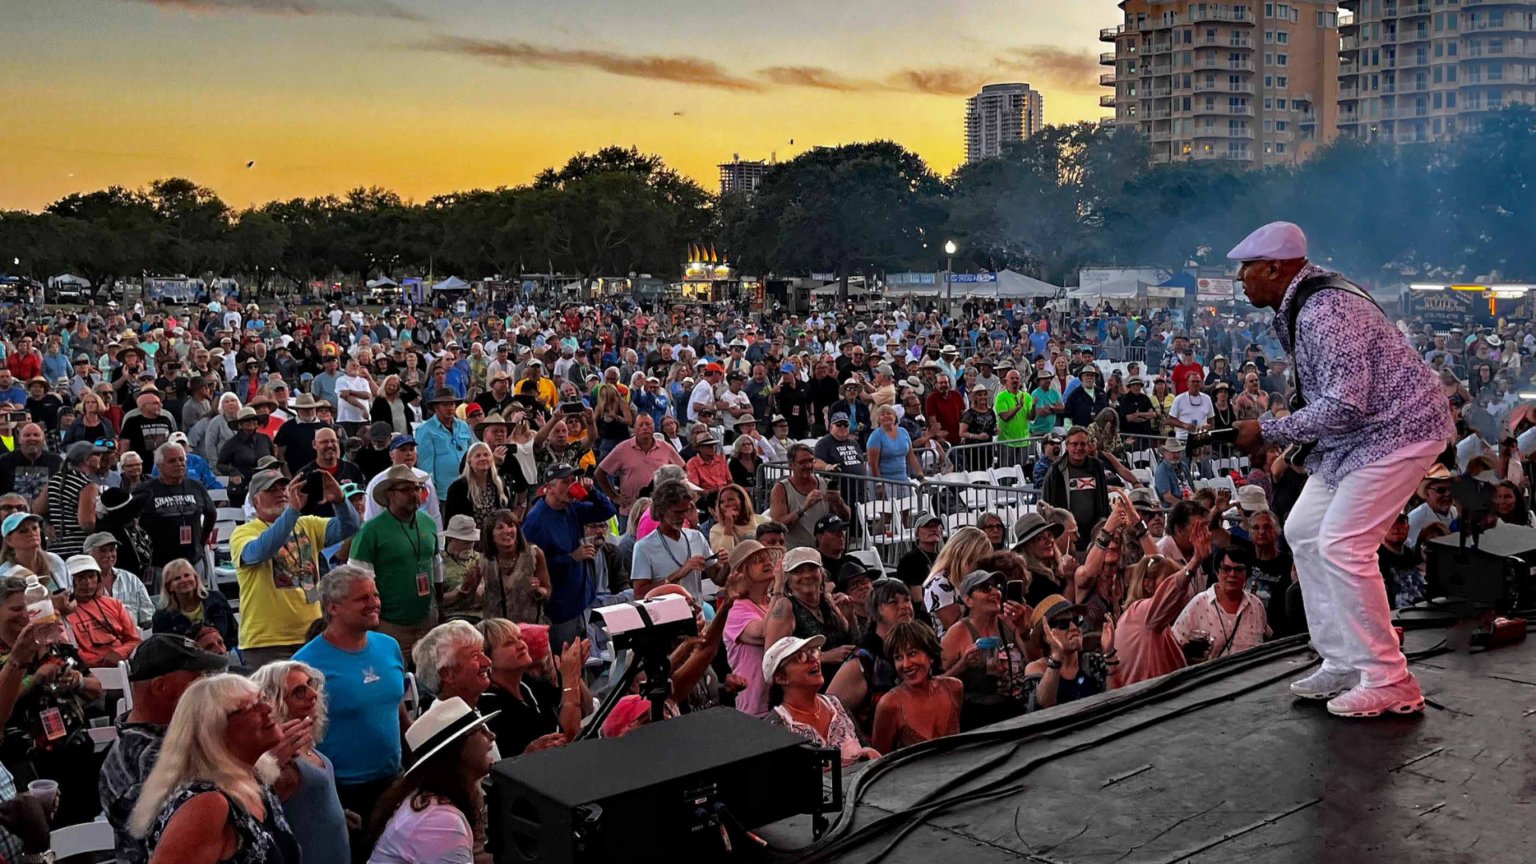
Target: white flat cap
1277,241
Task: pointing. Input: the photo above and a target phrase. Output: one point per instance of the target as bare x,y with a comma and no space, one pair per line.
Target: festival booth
383,290
1447,306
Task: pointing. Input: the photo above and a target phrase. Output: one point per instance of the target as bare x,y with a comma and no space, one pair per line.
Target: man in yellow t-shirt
535,384
278,560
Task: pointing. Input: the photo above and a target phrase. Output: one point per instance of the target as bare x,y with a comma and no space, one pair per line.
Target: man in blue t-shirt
364,687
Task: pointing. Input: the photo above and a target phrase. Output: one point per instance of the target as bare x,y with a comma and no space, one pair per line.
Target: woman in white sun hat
433,813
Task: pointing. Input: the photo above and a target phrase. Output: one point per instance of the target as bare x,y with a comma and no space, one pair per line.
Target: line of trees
1070,196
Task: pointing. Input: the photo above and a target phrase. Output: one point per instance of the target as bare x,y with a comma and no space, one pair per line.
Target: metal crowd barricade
996,454
883,510
1207,461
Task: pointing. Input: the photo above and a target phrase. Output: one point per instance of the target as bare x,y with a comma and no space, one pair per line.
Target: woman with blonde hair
734,519
1156,590
614,417
93,424
203,803
392,405
961,555
479,491
186,604
305,781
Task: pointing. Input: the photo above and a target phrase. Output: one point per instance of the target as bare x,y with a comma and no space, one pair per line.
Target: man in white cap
1373,416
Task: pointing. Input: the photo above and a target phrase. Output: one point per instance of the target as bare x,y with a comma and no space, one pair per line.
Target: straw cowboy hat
396,475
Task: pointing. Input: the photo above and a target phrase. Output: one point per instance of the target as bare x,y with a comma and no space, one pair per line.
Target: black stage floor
1220,764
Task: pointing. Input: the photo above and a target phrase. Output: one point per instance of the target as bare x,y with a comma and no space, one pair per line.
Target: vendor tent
384,282
452,283
1011,284
69,279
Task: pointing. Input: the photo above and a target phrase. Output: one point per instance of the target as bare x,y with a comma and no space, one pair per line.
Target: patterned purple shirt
1368,392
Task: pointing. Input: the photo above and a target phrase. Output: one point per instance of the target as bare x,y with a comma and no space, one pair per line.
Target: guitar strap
1308,289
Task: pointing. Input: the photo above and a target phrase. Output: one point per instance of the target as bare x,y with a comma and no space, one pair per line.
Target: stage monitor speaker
662,790
1496,573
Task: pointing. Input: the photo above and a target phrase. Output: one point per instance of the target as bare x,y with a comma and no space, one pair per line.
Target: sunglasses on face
1067,623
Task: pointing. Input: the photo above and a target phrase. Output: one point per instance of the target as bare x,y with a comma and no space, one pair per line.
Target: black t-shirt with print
174,517
144,434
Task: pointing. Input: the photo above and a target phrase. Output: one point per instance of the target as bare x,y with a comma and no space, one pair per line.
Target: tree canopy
1066,197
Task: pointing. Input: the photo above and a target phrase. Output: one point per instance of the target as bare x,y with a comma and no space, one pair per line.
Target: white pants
1334,536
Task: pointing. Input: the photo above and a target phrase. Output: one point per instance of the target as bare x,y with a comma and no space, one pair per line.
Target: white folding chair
412,696
87,837
869,558
231,514
218,496
102,736
115,678
1143,474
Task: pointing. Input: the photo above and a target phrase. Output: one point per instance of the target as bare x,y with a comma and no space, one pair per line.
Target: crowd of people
434,501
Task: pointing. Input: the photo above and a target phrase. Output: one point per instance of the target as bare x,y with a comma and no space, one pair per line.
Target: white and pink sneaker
1404,697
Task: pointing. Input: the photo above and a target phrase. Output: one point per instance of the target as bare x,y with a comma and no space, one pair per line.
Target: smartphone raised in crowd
1014,591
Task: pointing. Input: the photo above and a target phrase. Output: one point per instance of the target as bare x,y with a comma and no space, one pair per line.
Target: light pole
949,266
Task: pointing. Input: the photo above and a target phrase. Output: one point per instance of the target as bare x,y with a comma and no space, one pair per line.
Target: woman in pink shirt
753,567
1157,589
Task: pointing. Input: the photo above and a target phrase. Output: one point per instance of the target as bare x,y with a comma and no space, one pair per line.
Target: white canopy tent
69,279
452,283
383,282
1007,284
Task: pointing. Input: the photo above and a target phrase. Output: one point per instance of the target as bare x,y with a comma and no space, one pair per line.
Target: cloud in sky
1076,71
694,71
360,8
1042,65
816,77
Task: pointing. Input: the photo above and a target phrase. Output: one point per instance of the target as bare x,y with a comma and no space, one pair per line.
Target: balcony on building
1348,68
1488,25
1156,47
1414,10
1110,34
1159,114
1307,118
1223,87
1159,70
1107,101
1107,58
1349,44
1212,13
1348,93
1107,79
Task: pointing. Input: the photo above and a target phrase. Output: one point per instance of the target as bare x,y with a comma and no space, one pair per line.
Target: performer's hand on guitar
1249,438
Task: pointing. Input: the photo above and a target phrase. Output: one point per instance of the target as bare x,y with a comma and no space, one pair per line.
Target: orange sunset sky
432,96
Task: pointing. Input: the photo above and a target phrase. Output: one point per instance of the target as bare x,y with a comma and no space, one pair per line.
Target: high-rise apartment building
1001,113
1422,70
1251,82
742,176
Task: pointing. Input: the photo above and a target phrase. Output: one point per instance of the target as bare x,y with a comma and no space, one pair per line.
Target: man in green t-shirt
400,546
1012,407
1048,405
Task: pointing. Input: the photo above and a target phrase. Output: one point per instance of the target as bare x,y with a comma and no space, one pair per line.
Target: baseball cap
399,441
77,564
98,540
784,649
977,578
15,520
379,431
925,519
823,525
164,653
802,556
559,471
264,480
839,417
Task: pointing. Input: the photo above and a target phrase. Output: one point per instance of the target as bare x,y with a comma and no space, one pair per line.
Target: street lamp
949,266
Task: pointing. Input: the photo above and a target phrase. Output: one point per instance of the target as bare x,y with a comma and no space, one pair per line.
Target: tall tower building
742,176
1254,82
1413,71
1001,113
